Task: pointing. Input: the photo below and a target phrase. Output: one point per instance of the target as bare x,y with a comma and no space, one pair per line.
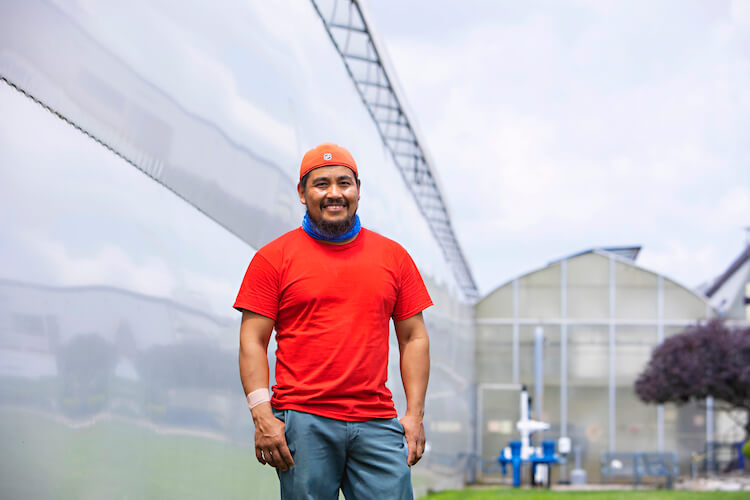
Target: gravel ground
723,483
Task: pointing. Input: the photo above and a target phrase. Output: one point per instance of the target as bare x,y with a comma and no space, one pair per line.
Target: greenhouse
601,315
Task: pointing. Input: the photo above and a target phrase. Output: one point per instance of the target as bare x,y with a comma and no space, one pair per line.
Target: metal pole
539,376
612,355
564,359
710,438
710,434
479,429
516,336
659,340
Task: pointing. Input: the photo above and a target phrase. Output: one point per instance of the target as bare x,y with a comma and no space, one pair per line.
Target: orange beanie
324,155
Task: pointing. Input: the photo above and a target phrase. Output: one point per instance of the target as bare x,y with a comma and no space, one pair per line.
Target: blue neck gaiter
310,229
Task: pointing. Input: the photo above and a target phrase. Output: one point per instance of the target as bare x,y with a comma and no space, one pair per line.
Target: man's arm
270,442
414,347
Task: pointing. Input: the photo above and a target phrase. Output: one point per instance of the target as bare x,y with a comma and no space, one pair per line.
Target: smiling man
330,289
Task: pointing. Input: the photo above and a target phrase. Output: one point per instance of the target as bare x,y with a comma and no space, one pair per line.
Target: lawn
44,458
523,494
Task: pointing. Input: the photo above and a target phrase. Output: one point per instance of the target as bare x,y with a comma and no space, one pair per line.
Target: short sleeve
412,294
259,291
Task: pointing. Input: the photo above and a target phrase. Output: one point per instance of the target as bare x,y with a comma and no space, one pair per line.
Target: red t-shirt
332,305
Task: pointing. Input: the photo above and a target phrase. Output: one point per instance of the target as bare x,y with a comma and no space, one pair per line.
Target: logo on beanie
327,156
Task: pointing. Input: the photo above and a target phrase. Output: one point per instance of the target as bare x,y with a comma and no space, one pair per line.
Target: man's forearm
415,373
255,332
414,346
254,375
253,367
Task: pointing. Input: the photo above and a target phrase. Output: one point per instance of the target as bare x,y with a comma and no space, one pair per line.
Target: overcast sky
561,126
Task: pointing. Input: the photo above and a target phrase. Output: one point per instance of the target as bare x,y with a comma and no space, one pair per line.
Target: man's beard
332,230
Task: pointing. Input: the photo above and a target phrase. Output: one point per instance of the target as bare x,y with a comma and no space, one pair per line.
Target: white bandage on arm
258,396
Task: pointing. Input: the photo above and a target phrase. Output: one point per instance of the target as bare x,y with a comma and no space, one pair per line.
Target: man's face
331,196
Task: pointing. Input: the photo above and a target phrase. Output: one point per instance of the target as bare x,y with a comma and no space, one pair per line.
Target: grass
115,459
524,494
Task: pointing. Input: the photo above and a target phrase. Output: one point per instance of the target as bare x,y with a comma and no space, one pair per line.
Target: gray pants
366,460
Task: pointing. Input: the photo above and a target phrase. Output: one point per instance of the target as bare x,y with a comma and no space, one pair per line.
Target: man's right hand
270,442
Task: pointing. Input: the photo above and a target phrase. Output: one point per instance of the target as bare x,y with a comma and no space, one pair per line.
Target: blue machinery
547,458
519,452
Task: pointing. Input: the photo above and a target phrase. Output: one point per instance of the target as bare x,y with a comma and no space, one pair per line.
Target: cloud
740,13
556,131
682,262
732,211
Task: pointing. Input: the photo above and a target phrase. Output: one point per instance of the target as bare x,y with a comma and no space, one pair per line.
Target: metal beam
345,19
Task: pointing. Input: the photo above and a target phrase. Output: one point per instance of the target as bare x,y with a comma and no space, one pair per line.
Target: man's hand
415,439
270,442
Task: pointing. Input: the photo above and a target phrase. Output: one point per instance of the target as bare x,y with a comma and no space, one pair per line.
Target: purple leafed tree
704,360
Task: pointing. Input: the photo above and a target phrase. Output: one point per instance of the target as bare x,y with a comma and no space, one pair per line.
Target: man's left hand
415,438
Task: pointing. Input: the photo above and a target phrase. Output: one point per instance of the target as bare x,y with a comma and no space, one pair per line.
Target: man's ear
359,185
301,192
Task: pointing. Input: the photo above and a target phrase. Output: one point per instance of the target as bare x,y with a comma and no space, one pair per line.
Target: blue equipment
519,452
547,457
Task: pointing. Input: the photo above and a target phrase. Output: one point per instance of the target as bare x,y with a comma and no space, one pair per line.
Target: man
330,288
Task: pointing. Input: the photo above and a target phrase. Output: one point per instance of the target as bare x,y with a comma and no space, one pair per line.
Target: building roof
629,253
625,255
728,293
735,266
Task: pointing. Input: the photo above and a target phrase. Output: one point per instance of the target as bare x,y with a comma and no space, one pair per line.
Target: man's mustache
334,202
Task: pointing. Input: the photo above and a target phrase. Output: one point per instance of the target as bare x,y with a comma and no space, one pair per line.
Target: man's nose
334,191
